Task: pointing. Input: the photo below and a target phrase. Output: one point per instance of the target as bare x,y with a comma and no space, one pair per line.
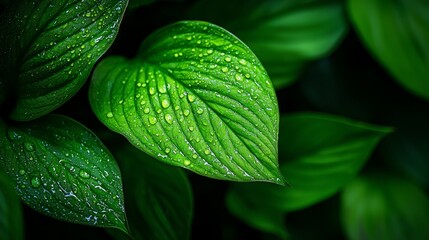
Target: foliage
214,119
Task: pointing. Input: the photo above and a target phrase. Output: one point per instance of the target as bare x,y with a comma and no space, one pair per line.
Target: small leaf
11,225
396,33
195,97
48,48
384,207
62,169
320,154
285,35
158,197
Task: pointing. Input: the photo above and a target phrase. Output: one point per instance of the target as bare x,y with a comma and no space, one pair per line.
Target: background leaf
62,169
48,49
285,35
196,97
320,154
158,197
11,225
396,33
384,207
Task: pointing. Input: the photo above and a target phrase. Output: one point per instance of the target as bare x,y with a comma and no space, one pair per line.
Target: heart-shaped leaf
48,48
397,34
195,97
63,170
285,35
384,207
10,211
321,153
158,197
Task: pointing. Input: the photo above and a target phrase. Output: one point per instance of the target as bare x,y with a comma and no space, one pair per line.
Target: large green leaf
10,211
48,48
62,169
285,35
158,197
384,207
320,154
397,34
195,97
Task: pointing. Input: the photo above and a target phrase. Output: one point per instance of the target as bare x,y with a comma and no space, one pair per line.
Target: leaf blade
11,224
164,105
49,49
62,169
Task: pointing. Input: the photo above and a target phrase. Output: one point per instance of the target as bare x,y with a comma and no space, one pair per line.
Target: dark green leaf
62,169
384,207
48,48
158,197
320,154
10,211
396,33
195,97
285,35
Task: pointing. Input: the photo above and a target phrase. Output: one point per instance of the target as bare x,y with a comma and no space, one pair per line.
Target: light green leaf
11,226
285,35
195,97
384,207
48,48
158,197
397,34
62,169
320,154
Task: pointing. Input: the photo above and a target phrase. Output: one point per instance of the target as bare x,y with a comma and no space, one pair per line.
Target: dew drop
84,174
162,89
109,114
187,162
191,98
186,112
200,111
224,69
191,129
194,156
22,172
209,51
242,62
228,59
168,118
29,146
165,103
12,135
238,77
146,110
35,182
207,151
152,91
247,75
152,120
143,102
167,150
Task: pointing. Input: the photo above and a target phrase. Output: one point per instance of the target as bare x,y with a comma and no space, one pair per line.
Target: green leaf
62,169
396,33
320,154
11,225
384,207
48,48
195,97
158,197
285,35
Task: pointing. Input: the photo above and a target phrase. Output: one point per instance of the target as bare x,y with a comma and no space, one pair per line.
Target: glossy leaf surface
158,197
285,35
48,48
384,207
195,97
320,154
62,169
396,33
